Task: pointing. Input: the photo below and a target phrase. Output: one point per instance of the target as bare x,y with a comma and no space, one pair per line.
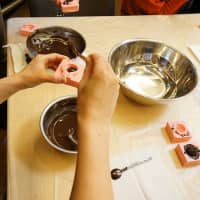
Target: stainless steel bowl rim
149,40
42,120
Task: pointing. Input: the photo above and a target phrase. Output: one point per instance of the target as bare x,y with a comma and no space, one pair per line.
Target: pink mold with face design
70,72
178,132
69,6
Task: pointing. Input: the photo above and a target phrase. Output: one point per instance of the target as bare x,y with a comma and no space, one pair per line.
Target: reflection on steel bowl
151,72
58,124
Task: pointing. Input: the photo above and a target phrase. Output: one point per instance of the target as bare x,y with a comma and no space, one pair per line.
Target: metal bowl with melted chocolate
58,124
55,39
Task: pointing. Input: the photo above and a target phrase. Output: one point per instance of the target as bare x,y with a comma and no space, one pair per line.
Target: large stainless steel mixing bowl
151,72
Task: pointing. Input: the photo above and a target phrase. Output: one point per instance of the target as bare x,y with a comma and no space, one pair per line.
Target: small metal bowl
151,72
58,124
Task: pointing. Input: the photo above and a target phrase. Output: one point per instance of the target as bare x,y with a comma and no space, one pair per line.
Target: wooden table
35,170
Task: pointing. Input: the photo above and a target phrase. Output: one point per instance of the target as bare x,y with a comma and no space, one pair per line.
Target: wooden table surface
35,170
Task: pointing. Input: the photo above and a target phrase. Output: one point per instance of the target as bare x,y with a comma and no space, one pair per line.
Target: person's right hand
98,91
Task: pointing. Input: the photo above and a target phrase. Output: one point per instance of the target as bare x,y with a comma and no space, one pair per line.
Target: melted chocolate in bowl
55,40
59,124
60,128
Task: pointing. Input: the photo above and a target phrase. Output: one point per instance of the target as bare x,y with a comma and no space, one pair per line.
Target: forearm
92,179
9,86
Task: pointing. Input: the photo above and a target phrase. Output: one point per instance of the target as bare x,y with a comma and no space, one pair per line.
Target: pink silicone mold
70,72
27,29
188,154
178,131
69,6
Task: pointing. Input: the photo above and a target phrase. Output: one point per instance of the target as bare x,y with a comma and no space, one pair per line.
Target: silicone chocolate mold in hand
70,71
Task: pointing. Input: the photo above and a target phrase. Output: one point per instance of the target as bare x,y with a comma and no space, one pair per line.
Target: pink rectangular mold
186,159
69,6
70,72
178,131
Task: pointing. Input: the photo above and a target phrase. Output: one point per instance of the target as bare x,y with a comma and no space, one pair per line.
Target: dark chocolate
57,45
72,69
28,58
60,40
66,2
60,128
192,151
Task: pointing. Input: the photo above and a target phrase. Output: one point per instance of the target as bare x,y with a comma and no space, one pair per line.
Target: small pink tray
72,6
184,158
27,29
178,131
70,72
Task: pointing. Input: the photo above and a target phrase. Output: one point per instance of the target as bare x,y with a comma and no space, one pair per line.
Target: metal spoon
117,173
75,51
71,132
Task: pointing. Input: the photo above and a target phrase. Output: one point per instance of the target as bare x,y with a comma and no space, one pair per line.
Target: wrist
93,135
25,80
91,116
17,82
93,123
93,128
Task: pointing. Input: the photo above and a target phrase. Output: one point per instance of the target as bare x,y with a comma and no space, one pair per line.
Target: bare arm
34,74
9,86
98,92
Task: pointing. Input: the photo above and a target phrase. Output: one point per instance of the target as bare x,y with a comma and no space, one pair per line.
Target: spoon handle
76,52
139,162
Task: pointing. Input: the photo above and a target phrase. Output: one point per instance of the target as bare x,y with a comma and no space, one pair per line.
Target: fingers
53,58
101,65
102,68
97,67
88,69
49,76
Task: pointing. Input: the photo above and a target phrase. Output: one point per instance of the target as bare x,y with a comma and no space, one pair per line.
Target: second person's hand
98,90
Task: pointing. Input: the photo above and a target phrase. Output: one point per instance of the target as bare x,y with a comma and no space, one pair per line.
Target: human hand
98,91
41,69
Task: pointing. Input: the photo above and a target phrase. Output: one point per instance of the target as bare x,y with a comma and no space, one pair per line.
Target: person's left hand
41,69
